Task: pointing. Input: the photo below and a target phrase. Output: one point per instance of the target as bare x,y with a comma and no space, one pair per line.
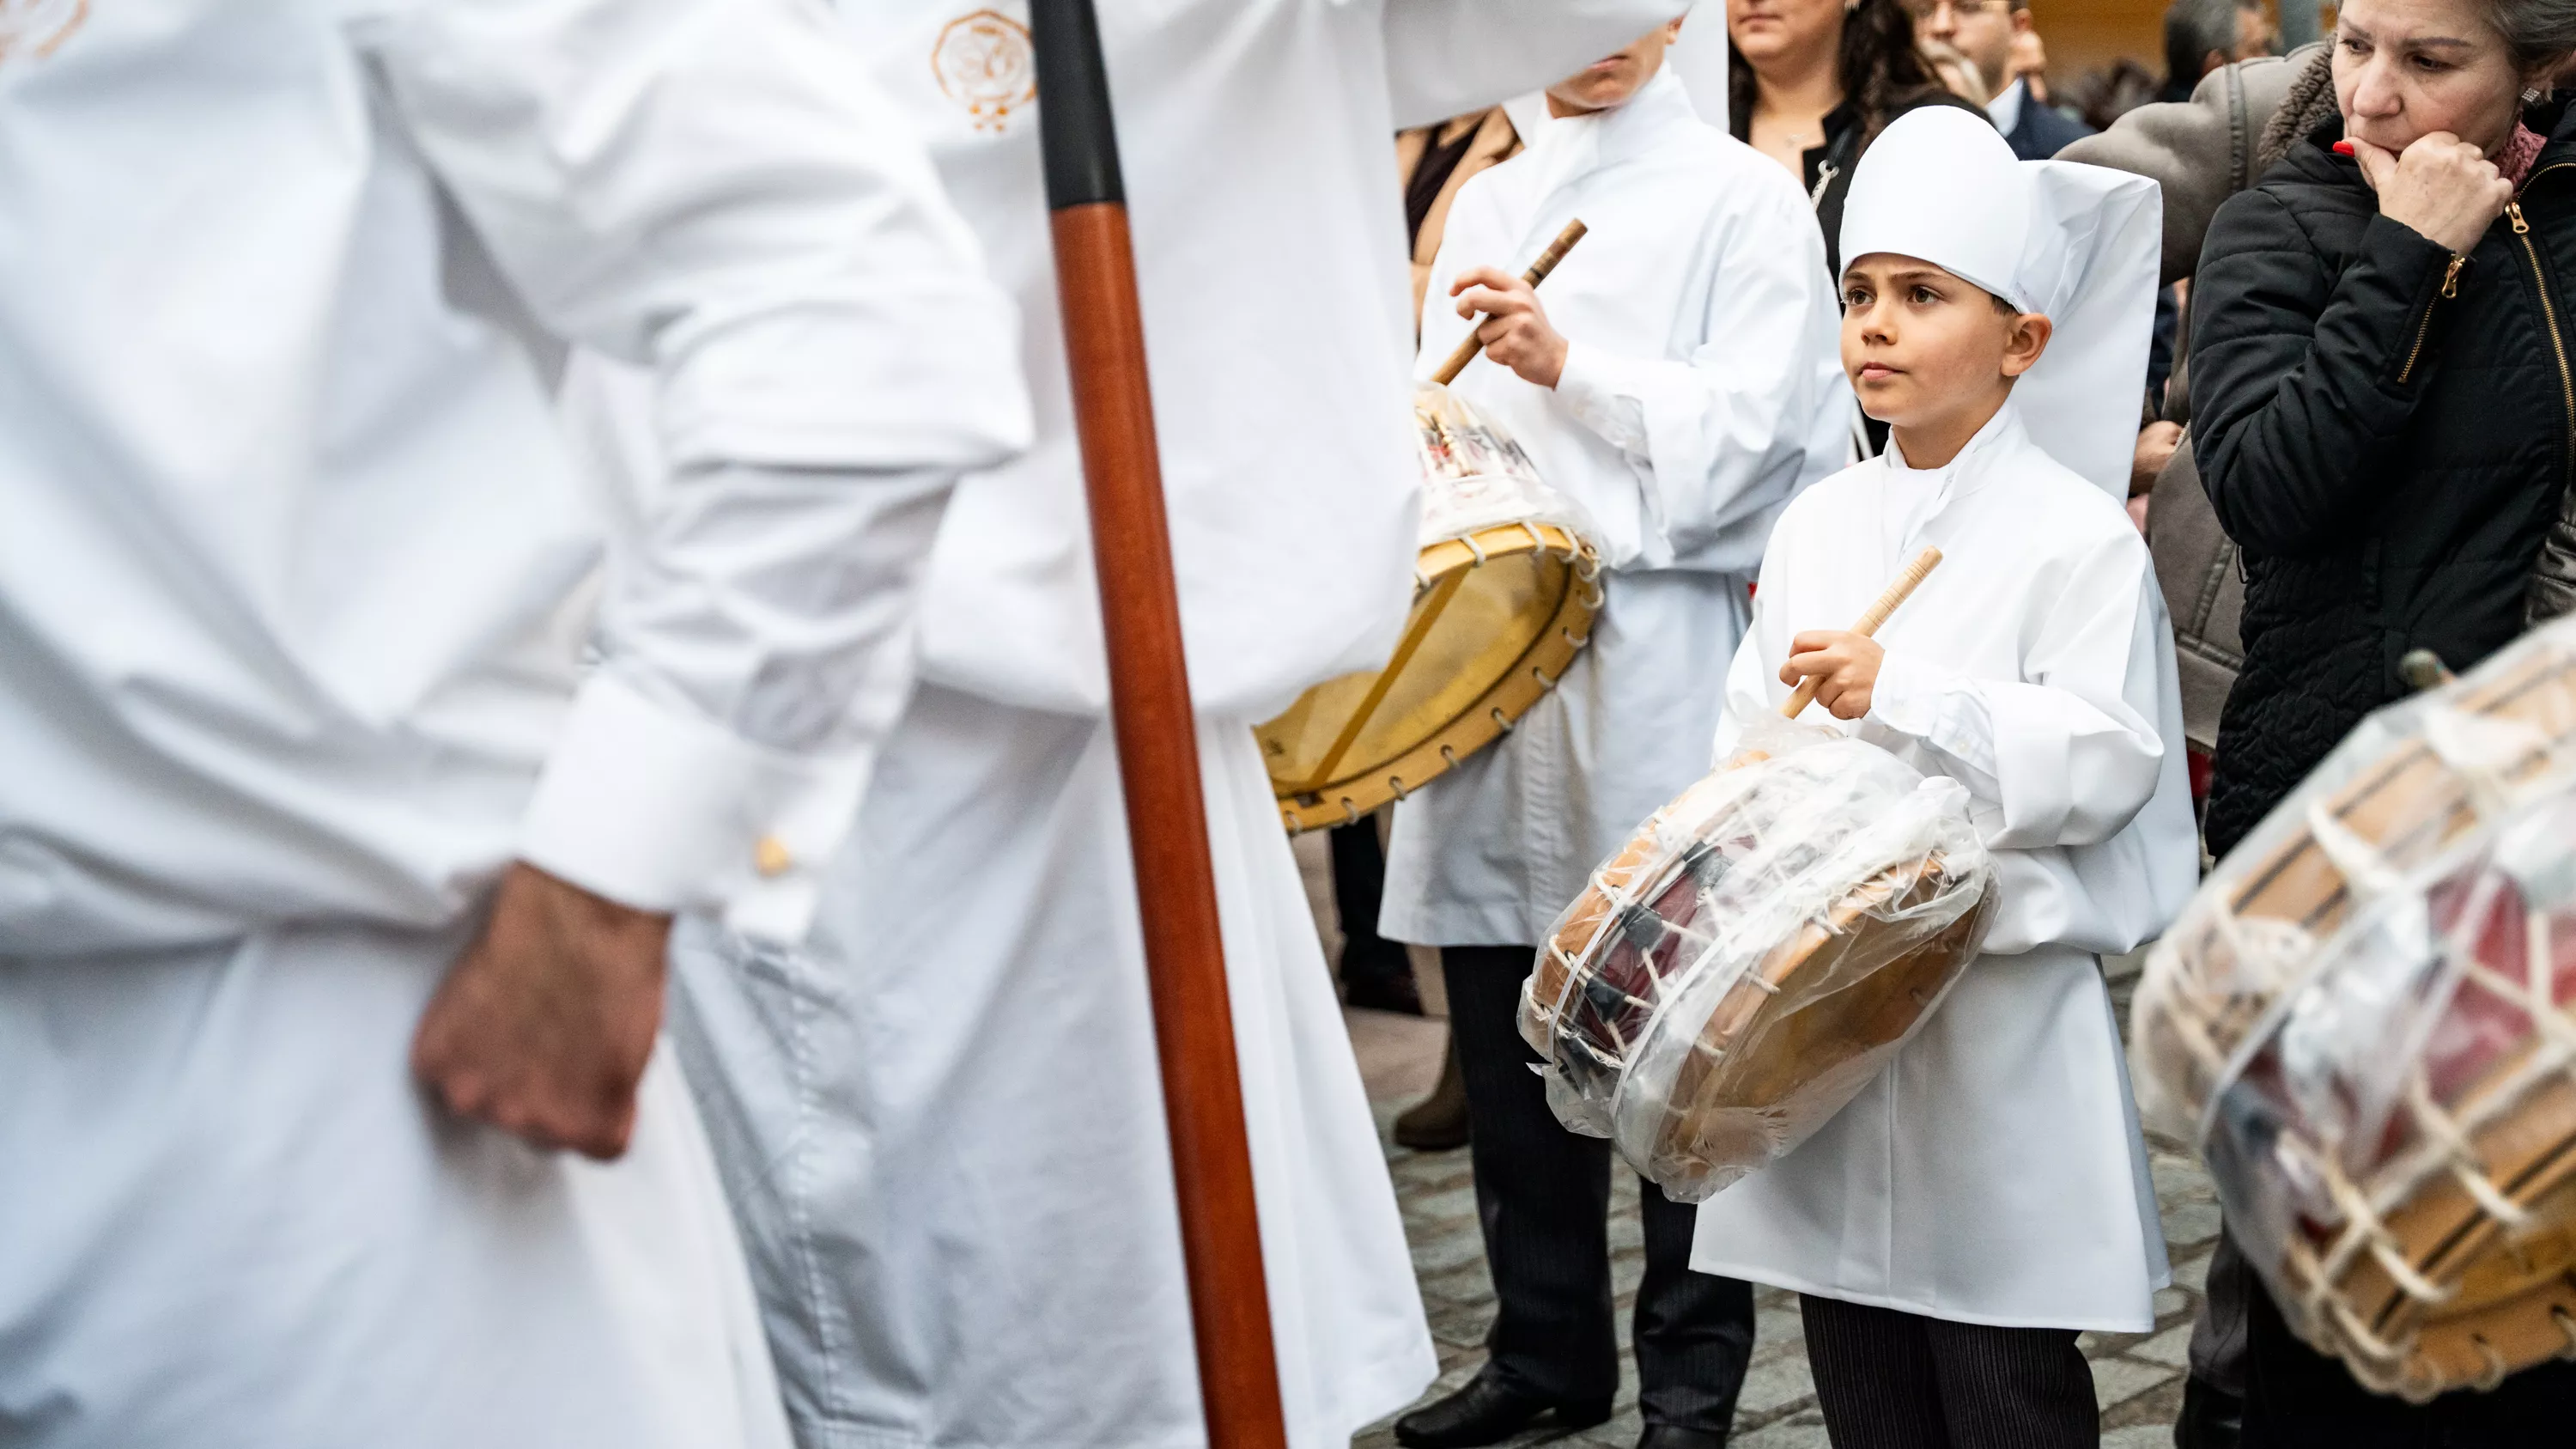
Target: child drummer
1986,1197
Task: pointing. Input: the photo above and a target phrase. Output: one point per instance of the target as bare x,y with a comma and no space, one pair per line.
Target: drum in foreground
1504,594
2362,1020
1743,967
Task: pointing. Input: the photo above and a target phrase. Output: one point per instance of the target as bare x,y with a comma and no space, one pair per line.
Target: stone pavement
2138,1377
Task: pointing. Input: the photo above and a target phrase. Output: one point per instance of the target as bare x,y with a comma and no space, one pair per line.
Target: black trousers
1890,1380
1543,1194
1359,883
2297,1398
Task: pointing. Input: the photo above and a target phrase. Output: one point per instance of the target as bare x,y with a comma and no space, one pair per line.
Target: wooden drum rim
1530,677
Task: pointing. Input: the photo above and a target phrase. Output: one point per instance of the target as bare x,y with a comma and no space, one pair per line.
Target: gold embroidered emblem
37,28
985,63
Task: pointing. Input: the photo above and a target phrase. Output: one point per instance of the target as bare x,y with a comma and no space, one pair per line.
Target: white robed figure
1993,1173
1699,394
296,575
940,1118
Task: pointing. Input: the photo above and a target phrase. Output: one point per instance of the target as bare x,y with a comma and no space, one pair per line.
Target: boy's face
1919,344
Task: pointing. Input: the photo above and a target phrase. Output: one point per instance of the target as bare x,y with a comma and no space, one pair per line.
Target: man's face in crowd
1612,79
1981,30
2253,33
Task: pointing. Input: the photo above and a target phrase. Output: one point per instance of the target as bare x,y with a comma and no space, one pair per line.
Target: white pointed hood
2078,243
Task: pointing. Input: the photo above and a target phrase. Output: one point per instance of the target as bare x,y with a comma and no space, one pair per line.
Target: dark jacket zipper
2424,325
2548,310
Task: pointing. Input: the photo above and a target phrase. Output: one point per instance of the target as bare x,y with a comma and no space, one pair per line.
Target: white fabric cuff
1907,697
1589,387
661,811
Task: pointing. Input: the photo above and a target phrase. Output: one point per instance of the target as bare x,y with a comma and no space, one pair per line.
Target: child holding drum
1986,1197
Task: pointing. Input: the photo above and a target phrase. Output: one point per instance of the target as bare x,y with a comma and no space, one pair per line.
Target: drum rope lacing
2468,746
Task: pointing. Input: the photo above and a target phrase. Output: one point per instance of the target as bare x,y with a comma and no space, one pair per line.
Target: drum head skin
2365,1020
1744,966
1505,593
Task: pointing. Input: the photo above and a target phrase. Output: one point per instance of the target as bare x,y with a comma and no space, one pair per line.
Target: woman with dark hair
2382,407
1810,83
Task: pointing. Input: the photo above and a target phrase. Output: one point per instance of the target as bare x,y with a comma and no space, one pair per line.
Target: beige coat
1495,143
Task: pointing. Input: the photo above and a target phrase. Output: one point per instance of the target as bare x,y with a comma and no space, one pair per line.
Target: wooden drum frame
1501,607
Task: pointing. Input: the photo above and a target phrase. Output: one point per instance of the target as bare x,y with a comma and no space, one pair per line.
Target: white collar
2005,109
1910,498
1570,147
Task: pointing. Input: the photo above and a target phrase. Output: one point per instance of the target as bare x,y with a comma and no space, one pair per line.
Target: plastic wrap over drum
1761,948
1505,593
2363,1021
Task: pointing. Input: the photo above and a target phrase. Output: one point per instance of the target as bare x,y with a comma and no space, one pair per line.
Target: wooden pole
1537,273
1157,733
1897,592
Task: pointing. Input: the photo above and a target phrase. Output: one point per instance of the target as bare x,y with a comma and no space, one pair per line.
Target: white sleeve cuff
661,811
1589,388
1907,698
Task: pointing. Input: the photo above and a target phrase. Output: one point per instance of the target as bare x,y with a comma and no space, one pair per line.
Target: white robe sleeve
1719,440
1748,691
1448,57
718,193
2062,764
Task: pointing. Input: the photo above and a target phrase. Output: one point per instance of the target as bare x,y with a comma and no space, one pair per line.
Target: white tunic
1700,393
295,576
941,1121
1994,1172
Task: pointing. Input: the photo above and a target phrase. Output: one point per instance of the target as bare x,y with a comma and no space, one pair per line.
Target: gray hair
2540,33
2194,28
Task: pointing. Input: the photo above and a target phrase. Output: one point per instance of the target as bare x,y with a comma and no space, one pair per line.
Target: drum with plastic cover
2363,1020
1755,954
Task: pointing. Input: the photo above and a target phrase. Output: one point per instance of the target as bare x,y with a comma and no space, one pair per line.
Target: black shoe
2211,1418
1665,1436
1437,1123
1487,1412
1381,980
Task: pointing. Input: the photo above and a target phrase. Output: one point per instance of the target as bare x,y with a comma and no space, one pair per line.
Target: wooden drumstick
1915,572
1537,273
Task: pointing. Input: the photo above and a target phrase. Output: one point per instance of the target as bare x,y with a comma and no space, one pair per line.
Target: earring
2530,95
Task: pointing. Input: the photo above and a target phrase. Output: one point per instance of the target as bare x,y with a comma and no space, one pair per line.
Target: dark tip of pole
1075,130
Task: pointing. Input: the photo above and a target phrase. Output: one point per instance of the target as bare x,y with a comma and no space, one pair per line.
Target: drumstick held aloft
1537,273
1914,574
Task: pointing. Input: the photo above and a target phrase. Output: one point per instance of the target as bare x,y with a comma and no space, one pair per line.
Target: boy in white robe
939,1118
323,852
1675,376
1986,1196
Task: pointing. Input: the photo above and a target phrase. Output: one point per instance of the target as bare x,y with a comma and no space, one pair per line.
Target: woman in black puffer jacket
2383,388
2383,412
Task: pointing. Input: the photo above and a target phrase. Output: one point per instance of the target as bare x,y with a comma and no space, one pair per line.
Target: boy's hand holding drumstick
1515,331
1839,667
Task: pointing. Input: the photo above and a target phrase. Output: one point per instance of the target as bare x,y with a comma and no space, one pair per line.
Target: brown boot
1438,1122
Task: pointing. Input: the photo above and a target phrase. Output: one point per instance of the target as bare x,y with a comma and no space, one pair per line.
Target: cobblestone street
2138,1377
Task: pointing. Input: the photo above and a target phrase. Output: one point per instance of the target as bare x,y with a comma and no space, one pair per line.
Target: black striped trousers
1890,1380
1543,1195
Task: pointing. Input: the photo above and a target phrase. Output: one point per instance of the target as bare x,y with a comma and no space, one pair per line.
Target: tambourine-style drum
2363,1020
1504,594
1743,966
